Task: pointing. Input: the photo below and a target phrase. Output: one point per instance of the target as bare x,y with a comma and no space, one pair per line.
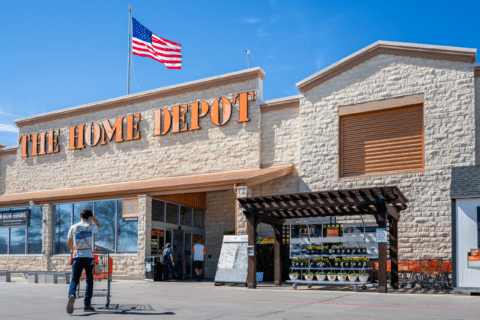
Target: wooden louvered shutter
382,141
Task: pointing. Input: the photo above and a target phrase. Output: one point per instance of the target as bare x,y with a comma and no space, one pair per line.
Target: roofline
476,70
281,103
457,54
9,150
202,84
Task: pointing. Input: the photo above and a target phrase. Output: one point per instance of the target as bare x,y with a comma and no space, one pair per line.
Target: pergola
384,203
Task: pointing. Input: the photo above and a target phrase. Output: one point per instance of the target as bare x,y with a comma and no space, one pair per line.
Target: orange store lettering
172,120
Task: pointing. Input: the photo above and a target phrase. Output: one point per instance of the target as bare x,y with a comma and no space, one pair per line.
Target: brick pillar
47,235
242,192
144,230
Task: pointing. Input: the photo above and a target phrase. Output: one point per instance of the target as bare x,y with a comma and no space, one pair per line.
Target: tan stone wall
7,171
219,217
449,140
212,148
477,120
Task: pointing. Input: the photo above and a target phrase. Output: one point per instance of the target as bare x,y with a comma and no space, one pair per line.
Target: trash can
153,268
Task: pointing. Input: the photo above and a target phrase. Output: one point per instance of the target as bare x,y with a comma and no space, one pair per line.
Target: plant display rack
309,284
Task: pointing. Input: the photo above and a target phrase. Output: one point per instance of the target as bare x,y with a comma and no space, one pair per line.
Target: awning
192,183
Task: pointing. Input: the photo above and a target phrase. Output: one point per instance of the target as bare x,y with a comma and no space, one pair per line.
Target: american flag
147,44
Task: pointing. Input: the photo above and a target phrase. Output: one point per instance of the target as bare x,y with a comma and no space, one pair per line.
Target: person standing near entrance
169,264
199,251
79,241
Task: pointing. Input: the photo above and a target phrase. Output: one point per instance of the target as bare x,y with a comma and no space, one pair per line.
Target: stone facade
212,148
219,217
449,110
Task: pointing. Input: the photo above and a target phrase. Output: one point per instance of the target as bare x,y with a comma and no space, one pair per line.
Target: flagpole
129,45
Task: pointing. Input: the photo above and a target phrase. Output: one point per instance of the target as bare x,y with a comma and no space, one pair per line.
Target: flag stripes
147,44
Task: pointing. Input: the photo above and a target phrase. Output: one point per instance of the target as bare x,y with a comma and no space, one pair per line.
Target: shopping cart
409,273
102,272
433,275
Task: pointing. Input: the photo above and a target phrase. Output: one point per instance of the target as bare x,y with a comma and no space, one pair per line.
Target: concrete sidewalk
202,300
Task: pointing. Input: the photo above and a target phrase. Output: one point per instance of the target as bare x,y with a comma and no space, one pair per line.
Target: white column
47,235
242,192
144,230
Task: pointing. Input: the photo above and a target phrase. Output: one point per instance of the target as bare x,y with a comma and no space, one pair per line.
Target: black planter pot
346,264
331,251
348,251
364,250
354,251
325,251
342,251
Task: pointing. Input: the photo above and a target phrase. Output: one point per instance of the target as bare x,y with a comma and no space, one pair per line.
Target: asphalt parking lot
203,300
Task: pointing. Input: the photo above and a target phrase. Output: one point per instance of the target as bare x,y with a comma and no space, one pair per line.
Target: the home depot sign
126,128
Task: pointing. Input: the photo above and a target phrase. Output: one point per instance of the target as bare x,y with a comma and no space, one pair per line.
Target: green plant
338,260
331,273
325,260
363,274
309,273
321,274
342,274
294,274
319,248
353,274
317,260
229,232
311,248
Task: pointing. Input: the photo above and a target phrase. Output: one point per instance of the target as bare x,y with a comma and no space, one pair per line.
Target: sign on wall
382,235
15,218
130,210
174,119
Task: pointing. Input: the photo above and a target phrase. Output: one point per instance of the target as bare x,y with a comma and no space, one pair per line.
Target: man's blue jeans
168,270
77,267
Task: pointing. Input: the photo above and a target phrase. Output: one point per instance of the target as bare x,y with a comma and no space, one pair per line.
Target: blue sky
60,54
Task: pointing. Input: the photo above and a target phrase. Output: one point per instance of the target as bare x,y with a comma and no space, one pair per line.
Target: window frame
72,204
9,236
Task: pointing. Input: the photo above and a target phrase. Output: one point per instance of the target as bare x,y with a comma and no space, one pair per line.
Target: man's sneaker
89,309
71,302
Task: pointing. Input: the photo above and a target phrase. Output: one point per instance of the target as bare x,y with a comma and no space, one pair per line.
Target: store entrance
179,225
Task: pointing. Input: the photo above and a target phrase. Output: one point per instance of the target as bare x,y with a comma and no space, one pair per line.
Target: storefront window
17,240
198,218
35,231
185,216
172,213
105,237
127,241
78,207
63,221
3,240
157,210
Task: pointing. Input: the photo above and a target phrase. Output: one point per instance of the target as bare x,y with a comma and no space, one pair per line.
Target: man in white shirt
199,251
80,242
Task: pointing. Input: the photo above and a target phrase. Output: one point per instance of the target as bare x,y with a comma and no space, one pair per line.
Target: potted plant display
293,275
296,262
321,276
365,260
310,250
352,277
355,262
343,249
331,250
342,276
325,250
309,276
303,262
338,262
331,276
355,250
363,250
346,262
315,262
319,250
325,262
363,277
348,250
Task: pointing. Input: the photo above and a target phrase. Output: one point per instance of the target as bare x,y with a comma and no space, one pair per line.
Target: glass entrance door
178,253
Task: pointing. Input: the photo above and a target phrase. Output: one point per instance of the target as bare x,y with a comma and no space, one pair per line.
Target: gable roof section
424,51
202,84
